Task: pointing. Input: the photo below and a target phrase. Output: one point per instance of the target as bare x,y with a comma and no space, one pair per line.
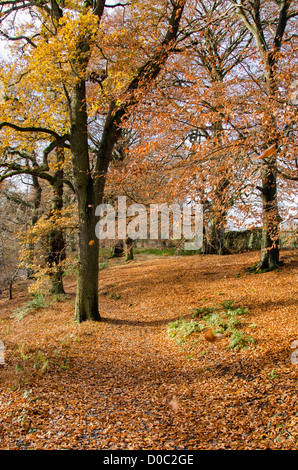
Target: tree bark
56,243
270,231
86,307
34,219
128,249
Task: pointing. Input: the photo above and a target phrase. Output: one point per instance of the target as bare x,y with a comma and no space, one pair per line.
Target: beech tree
215,52
189,133
65,46
212,118
267,22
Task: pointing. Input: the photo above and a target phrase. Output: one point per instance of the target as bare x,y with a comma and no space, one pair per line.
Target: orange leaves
267,153
120,384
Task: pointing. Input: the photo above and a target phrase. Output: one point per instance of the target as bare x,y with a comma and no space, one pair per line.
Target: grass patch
103,265
181,329
170,251
37,302
188,252
202,311
155,251
240,340
226,319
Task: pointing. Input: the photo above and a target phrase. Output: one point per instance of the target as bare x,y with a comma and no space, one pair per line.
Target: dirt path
124,384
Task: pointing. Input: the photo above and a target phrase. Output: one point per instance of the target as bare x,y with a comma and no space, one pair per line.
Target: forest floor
125,383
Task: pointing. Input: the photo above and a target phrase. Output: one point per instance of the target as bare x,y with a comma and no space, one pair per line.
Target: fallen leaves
122,384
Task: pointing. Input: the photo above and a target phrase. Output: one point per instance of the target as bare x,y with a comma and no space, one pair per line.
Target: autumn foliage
181,101
126,384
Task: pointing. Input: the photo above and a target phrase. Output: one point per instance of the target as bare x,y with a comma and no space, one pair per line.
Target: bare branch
42,130
19,38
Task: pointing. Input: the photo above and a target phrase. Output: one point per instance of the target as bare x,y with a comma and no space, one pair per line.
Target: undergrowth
37,302
224,320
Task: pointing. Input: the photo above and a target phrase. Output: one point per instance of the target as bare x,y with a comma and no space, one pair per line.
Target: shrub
223,319
37,302
239,340
181,329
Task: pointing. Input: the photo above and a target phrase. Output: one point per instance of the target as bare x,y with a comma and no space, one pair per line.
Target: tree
267,25
189,130
211,118
70,36
16,162
13,210
218,53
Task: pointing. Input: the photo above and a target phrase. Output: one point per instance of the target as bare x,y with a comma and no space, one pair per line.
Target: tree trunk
87,282
89,189
118,249
216,211
214,238
270,248
215,232
56,251
56,255
88,198
34,219
10,291
270,232
128,249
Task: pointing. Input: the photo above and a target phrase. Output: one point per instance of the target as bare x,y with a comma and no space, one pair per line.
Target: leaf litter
124,383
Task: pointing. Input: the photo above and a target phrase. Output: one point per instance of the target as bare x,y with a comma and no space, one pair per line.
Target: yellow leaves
59,59
2,91
74,31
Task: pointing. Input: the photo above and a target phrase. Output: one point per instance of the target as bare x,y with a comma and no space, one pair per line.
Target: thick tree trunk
87,282
270,233
89,189
88,198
